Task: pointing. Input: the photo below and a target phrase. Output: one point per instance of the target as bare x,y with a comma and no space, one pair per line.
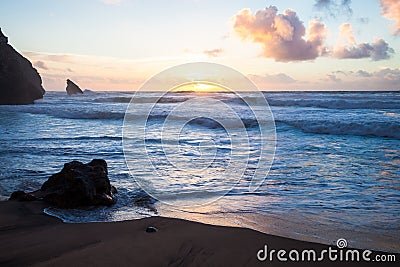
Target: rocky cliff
72,88
20,83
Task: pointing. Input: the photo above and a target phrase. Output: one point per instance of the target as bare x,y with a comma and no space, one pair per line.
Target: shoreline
30,237
296,226
293,226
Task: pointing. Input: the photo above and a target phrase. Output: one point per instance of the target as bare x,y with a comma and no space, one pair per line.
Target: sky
278,44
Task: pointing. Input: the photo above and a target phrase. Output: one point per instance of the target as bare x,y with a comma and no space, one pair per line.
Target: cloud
275,78
214,52
378,50
332,78
282,36
278,81
384,79
334,7
388,74
363,73
98,73
363,20
340,72
391,11
346,34
40,64
48,57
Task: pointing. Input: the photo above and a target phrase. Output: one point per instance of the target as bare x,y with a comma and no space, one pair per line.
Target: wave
317,100
131,204
104,137
225,123
389,129
335,103
63,113
253,100
222,123
142,100
90,115
247,100
392,114
370,128
119,99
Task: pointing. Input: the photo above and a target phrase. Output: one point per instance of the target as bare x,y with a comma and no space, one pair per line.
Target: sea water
335,174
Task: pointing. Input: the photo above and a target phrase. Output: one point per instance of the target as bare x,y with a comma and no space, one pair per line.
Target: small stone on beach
151,229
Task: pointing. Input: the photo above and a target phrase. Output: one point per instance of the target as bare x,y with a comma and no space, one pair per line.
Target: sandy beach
30,237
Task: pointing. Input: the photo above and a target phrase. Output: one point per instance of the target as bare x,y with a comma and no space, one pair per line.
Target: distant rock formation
89,92
20,83
76,185
72,88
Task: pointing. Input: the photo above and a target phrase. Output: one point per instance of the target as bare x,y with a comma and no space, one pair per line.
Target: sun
203,87
200,87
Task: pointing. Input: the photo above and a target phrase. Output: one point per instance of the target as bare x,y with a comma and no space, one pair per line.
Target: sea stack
20,83
72,88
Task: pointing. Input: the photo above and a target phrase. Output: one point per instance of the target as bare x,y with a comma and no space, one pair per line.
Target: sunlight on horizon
200,87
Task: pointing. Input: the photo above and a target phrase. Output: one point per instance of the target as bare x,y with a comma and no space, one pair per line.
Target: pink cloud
391,11
346,33
378,50
214,52
280,78
282,36
383,79
40,64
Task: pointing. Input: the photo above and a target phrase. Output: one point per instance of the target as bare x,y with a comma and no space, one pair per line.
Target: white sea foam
336,103
366,128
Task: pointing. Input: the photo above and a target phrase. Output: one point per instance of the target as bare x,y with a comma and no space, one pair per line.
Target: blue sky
117,44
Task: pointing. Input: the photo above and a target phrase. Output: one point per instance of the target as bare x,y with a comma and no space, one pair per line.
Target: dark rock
22,196
76,185
20,83
72,88
79,184
151,229
113,190
143,200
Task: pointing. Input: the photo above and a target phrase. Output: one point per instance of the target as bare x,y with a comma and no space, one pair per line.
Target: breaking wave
336,103
328,103
371,128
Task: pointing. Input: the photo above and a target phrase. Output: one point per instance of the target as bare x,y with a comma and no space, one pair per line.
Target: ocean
335,171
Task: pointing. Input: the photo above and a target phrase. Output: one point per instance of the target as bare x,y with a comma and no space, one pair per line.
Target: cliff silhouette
20,83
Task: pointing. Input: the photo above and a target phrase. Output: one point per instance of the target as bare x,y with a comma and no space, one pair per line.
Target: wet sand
30,237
